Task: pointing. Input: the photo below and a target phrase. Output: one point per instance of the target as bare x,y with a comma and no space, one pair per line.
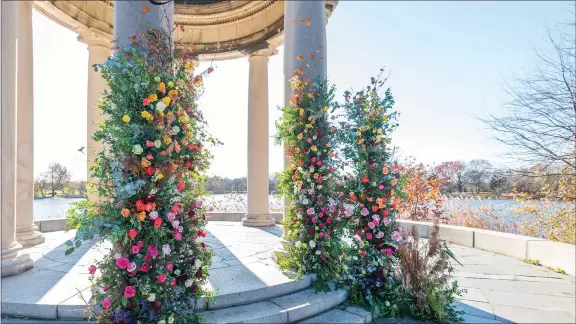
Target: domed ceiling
212,29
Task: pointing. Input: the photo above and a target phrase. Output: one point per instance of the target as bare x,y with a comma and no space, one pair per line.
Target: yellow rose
169,114
173,93
159,176
301,111
314,148
145,163
167,139
300,136
161,86
325,108
166,100
126,118
328,145
183,119
189,67
393,182
189,134
142,216
384,118
147,115
153,97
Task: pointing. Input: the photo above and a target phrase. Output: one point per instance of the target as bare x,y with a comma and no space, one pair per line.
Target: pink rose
161,278
329,220
314,220
175,223
122,263
92,269
321,235
381,187
364,253
153,250
166,249
386,220
371,225
106,288
177,235
310,211
106,302
169,266
364,211
369,236
153,215
135,249
129,291
388,251
173,283
131,267
395,235
180,228
380,235
145,267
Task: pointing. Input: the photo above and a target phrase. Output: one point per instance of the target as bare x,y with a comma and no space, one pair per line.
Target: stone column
258,187
26,231
304,35
134,16
98,52
14,261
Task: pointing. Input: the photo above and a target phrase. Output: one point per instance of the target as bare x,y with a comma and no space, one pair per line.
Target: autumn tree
55,178
452,174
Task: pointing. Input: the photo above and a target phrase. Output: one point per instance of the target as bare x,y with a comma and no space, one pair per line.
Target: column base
30,236
258,220
14,261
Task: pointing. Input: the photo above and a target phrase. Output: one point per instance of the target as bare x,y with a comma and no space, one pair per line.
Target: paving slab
528,315
308,303
336,316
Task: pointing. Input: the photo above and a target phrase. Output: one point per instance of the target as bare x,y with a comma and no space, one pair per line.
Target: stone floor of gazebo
499,289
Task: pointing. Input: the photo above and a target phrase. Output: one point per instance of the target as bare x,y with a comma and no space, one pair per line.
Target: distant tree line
55,181
223,185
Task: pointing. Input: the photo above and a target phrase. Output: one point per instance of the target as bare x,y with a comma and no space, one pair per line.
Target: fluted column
27,232
98,53
304,37
258,187
14,261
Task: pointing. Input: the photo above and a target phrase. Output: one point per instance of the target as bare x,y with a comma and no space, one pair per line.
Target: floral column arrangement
314,214
372,190
151,181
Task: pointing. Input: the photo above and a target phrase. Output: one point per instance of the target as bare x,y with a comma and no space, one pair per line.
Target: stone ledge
549,253
553,254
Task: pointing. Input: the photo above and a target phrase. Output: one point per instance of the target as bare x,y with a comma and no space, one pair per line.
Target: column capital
264,52
95,37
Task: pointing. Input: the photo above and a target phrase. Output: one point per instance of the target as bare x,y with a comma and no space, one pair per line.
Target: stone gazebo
213,30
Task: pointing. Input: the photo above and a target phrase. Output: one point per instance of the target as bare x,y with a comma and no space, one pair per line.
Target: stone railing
550,254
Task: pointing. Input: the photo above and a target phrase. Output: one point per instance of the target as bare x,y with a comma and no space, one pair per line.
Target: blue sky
448,62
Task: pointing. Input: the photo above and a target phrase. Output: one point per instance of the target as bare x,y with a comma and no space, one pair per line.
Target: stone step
286,309
350,315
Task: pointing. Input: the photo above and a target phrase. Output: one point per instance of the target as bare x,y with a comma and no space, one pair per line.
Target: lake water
51,208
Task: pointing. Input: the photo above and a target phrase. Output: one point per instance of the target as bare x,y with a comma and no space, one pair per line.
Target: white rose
298,244
177,272
176,129
318,252
162,322
160,106
189,282
152,297
198,263
312,244
137,149
171,319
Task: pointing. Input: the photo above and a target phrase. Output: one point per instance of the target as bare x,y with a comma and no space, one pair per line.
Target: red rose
161,278
156,306
92,269
131,274
189,165
202,233
106,288
181,186
122,263
145,267
158,222
150,170
132,233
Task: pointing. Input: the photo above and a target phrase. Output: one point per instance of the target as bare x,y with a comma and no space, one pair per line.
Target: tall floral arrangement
373,189
150,186
313,213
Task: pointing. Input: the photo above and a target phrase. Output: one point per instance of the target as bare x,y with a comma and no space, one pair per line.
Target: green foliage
150,186
309,183
533,262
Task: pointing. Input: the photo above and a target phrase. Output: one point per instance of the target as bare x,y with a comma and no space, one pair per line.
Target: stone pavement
499,289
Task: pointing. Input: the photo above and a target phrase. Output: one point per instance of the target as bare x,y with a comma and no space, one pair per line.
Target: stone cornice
95,37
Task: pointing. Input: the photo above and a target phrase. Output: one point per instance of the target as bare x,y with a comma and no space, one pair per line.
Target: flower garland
313,214
373,190
150,184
